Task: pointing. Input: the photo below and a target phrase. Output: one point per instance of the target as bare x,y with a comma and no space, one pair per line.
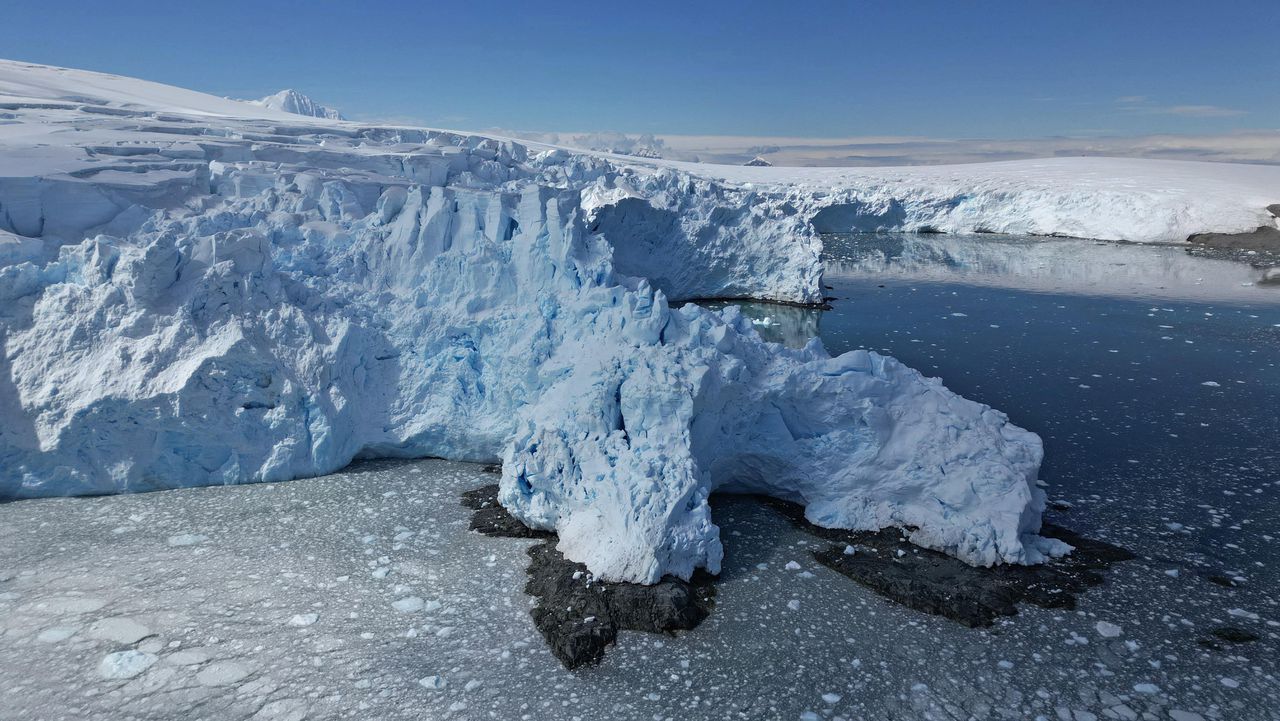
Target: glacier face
195,291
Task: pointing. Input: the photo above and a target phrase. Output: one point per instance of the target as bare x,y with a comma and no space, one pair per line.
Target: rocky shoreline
938,584
579,616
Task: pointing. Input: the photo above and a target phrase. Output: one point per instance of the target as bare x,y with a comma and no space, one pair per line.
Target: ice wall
188,299
297,323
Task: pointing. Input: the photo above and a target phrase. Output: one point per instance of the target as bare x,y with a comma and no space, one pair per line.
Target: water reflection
789,325
1057,265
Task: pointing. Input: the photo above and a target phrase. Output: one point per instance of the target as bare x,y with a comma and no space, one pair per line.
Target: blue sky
815,69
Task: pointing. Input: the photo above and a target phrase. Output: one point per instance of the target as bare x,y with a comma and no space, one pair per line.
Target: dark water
1153,377
1115,377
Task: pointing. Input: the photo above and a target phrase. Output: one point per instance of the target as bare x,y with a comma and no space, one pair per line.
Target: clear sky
954,68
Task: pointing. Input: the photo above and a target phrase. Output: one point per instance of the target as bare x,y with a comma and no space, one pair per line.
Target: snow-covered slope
292,101
28,84
1103,198
198,291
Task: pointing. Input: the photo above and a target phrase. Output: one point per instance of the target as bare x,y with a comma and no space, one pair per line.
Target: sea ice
125,664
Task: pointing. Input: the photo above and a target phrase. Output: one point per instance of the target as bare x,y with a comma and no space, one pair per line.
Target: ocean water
1153,376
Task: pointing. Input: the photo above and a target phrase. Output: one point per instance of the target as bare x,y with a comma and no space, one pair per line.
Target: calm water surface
1152,376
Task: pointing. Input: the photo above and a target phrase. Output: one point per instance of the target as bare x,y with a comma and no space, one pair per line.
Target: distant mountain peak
292,101
759,162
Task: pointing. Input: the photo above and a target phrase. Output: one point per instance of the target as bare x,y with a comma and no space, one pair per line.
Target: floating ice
1107,629
409,604
125,664
432,682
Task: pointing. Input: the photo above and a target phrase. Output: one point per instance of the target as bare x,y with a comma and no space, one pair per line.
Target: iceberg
199,291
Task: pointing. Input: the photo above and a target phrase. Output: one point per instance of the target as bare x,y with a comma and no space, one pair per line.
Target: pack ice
201,291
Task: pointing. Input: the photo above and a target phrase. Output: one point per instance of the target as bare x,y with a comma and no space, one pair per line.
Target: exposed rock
491,519
1264,238
935,583
1274,209
578,615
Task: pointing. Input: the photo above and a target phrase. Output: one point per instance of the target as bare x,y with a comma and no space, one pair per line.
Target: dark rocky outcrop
578,615
1264,238
936,583
491,519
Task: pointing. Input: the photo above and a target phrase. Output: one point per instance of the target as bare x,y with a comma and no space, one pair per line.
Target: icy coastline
195,291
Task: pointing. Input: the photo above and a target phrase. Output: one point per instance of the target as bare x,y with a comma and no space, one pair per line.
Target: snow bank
1103,198
196,291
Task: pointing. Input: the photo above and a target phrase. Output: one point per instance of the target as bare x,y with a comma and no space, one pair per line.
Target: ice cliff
196,291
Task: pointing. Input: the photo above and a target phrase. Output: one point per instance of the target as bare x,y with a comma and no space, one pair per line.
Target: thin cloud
1203,111
1143,104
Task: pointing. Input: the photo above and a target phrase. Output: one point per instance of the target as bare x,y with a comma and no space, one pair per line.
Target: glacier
199,291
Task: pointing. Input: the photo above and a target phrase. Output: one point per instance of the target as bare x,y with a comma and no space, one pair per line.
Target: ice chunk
1107,629
408,604
125,664
119,629
433,682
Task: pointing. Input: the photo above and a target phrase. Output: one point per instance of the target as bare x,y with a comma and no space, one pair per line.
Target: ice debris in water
409,604
432,682
1108,630
125,664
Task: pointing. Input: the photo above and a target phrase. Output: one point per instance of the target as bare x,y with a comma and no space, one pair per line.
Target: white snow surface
292,101
200,291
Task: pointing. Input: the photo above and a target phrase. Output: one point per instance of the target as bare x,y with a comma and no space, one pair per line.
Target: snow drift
196,291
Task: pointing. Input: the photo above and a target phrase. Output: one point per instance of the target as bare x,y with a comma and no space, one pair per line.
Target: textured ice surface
292,101
196,291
